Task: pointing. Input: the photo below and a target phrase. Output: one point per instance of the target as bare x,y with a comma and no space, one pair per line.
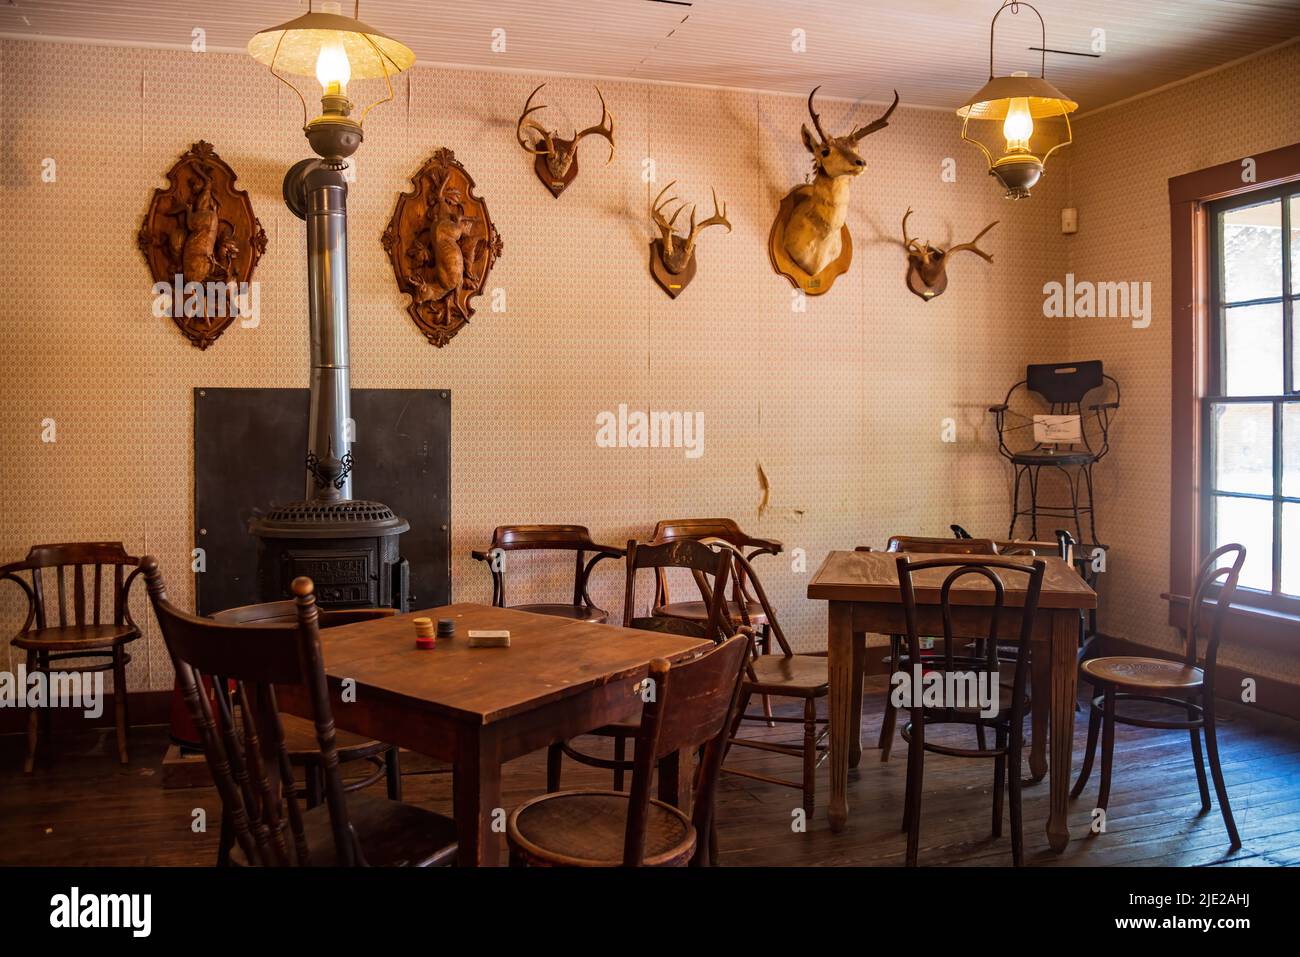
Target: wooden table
863,595
480,707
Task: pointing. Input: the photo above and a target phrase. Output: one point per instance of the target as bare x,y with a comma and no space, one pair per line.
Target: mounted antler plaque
556,162
442,244
809,243
927,266
672,255
201,242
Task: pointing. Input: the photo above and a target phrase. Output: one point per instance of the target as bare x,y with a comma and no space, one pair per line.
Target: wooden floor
87,809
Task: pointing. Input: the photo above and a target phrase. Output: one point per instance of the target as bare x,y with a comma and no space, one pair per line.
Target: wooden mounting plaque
442,244
671,283
821,283
201,229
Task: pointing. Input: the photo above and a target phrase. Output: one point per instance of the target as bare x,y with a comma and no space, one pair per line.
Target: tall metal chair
1058,417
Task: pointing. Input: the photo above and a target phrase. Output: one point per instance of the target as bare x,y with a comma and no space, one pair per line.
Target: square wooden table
862,591
481,707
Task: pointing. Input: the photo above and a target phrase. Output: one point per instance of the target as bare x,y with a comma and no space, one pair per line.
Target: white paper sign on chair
1057,429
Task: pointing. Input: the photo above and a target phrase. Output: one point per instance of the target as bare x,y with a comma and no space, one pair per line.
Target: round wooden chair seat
300,741
797,676
587,829
1151,674
564,610
696,611
76,637
390,833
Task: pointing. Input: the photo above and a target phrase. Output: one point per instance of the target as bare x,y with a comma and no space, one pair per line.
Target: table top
873,577
548,659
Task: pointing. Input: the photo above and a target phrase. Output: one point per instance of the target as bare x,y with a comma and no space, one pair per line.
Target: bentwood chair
710,568
300,734
247,756
692,707
922,545
1186,686
1069,432
100,637
983,670
542,538
782,675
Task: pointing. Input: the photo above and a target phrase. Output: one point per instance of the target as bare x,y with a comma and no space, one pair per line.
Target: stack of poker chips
446,628
424,637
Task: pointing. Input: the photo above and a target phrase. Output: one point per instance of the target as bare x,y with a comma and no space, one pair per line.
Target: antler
665,225
600,129
548,136
816,118
908,242
875,125
719,218
972,247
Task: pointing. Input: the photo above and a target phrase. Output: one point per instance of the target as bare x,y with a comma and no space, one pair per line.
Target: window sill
1253,624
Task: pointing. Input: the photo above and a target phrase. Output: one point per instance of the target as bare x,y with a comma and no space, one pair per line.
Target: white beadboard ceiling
934,51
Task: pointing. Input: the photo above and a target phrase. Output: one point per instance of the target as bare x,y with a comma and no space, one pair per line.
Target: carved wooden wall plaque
442,245
201,229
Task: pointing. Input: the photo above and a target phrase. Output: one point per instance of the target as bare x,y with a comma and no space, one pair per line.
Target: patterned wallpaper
843,404
1120,167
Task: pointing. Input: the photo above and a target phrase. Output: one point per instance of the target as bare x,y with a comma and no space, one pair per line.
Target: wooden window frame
1193,336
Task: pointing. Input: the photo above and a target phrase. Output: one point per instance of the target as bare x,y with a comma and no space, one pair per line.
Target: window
1251,470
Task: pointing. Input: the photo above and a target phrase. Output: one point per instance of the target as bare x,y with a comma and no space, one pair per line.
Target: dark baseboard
143,707
1272,695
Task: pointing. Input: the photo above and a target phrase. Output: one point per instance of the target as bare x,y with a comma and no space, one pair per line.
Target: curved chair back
722,529
1210,575
245,755
941,546
709,567
77,556
541,538
286,613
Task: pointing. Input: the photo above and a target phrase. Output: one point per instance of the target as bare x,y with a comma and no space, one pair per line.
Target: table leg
1065,647
675,779
1040,673
855,726
840,654
477,798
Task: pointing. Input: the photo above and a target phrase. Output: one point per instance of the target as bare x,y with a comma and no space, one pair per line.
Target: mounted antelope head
557,158
927,267
810,245
672,256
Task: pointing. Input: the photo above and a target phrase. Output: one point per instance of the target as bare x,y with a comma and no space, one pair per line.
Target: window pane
1248,522
1291,449
1252,346
1243,447
1290,548
1252,252
1295,244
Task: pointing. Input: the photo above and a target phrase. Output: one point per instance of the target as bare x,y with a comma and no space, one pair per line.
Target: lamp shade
295,47
994,99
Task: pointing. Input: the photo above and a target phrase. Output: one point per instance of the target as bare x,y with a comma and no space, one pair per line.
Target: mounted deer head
557,158
809,234
927,267
672,256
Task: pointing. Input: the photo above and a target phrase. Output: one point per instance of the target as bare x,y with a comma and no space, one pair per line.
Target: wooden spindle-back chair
544,538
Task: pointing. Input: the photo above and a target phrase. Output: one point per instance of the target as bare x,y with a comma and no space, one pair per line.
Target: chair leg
393,772
999,777
915,776
1015,503
1014,783
1092,511
1216,770
46,714
1089,750
809,757
1107,747
1033,503
313,786
620,755
554,759
119,701
33,719
226,841
1199,761
765,645
887,724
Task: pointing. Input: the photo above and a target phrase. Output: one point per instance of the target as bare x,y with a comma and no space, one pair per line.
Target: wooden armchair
574,538
101,634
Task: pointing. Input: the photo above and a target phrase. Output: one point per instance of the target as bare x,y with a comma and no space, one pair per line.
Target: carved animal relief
672,255
442,244
809,243
201,242
556,159
927,266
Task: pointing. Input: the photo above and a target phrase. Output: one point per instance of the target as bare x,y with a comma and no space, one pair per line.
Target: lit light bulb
1018,127
333,69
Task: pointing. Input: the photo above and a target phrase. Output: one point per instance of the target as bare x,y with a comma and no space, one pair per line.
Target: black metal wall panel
249,451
